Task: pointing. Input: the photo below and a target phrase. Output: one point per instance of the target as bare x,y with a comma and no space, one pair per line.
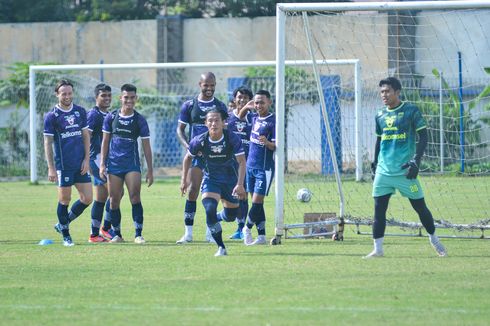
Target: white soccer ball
304,195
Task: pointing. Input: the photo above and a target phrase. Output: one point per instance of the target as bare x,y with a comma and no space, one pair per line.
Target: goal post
439,50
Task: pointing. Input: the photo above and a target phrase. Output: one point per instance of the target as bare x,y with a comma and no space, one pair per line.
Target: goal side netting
441,53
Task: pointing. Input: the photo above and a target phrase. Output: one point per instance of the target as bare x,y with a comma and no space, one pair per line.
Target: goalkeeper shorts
385,185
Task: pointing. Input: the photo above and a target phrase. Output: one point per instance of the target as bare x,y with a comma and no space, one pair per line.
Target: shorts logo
67,179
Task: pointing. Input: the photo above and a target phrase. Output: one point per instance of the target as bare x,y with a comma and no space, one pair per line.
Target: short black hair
244,90
391,81
264,92
102,88
215,110
62,82
128,88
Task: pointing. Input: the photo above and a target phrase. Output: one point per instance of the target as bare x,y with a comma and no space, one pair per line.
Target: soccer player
396,162
65,127
260,163
193,114
95,117
222,153
242,128
120,160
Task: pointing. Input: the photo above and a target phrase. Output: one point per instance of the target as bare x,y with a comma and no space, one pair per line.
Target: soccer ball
304,195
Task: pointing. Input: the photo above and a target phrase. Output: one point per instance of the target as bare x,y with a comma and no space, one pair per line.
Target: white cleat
139,240
185,239
117,239
439,248
247,236
68,242
259,241
374,254
209,236
221,252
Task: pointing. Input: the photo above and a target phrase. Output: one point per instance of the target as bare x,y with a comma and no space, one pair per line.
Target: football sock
217,234
257,215
137,219
380,207
241,224
97,212
116,221
76,210
189,212
228,214
107,219
62,212
424,213
243,209
378,244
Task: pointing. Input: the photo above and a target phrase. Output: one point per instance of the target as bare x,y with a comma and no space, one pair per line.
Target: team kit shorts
67,178
259,181
225,189
384,185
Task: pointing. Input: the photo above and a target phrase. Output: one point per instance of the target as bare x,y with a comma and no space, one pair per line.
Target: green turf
301,282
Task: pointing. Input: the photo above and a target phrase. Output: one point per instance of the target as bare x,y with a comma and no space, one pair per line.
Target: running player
224,173
193,114
65,127
396,162
120,160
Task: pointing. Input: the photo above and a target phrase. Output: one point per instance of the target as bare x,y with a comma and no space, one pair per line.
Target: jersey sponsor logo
394,137
217,148
71,134
390,120
126,122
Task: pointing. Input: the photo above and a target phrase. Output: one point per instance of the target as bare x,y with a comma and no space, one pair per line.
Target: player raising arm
120,160
65,127
224,173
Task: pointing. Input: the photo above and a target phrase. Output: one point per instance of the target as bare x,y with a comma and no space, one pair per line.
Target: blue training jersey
241,128
95,120
66,128
259,156
219,156
125,131
194,115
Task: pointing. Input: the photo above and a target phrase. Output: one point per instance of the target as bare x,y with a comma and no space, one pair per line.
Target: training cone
45,242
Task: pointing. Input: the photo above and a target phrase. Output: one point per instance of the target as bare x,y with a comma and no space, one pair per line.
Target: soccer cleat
209,236
108,235
221,252
117,239
96,239
57,227
139,240
185,239
439,248
238,235
374,254
259,241
247,236
68,242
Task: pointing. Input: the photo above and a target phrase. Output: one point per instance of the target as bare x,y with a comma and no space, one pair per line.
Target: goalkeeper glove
413,168
373,169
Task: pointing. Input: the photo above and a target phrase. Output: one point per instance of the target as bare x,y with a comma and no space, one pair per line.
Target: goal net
441,53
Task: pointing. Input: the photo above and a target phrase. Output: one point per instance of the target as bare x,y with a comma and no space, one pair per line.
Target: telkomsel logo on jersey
71,134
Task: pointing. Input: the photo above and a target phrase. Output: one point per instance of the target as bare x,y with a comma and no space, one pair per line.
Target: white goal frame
281,10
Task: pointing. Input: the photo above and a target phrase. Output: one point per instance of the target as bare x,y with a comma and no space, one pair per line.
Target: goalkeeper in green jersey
396,163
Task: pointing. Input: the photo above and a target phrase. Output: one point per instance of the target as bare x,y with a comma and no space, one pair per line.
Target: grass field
307,282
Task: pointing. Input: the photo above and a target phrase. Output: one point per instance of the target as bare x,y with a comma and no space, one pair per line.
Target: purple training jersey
194,116
259,156
95,119
241,128
123,148
66,128
219,156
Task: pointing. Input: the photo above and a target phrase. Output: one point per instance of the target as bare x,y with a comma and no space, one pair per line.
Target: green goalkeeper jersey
397,128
